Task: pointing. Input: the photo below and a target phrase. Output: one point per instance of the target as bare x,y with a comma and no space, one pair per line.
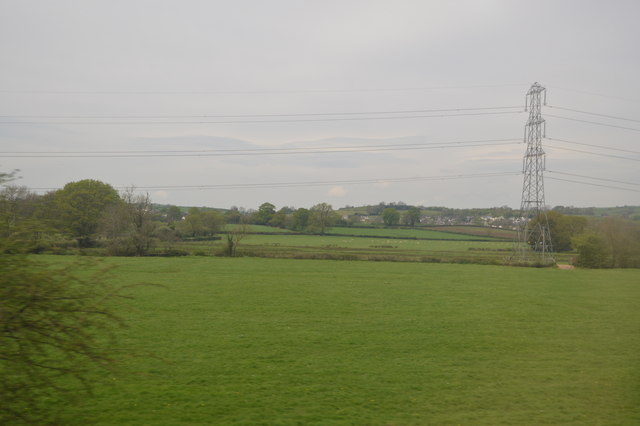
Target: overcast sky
169,89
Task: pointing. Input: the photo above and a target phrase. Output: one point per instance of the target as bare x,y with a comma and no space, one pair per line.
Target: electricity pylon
534,238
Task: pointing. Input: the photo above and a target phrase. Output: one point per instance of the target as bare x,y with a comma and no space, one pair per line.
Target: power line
248,92
594,145
594,113
594,178
597,94
257,121
309,183
594,122
594,184
414,111
256,151
594,153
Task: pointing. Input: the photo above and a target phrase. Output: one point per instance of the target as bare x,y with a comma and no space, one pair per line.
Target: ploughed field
282,341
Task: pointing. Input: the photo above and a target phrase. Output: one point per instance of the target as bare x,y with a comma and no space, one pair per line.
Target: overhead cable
257,151
594,113
594,122
249,92
594,145
620,157
304,120
311,114
596,94
310,183
594,178
594,184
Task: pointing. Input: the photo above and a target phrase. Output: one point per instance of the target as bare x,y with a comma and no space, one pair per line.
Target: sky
297,102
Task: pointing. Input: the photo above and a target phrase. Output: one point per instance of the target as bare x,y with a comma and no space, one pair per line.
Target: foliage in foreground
55,327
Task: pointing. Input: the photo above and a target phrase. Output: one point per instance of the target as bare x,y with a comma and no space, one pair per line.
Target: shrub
592,251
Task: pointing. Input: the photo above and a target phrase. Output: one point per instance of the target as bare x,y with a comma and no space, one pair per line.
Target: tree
612,242
322,217
390,216
300,219
376,210
412,216
622,238
141,214
212,222
18,216
264,214
592,251
16,203
129,226
199,223
168,237
116,227
237,234
191,225
280,218
80,206
173,213
8,204
233,215
562,228
55,327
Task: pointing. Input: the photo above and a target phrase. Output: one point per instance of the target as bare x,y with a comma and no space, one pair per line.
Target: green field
435,233
275,341
409,233
260,229
479,231
347,247
390,244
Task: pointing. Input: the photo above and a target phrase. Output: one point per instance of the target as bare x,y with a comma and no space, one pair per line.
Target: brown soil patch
566,267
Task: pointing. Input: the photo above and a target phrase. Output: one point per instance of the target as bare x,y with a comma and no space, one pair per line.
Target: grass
479,231
411,233
458,233
477,245
371,247
274,341
349,247
319,241
259,229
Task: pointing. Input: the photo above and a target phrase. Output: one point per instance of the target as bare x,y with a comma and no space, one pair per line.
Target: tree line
607,242
90,213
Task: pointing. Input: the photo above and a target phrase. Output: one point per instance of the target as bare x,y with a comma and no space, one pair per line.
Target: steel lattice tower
533,229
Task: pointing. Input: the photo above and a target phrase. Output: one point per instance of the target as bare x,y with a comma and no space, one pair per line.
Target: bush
592,251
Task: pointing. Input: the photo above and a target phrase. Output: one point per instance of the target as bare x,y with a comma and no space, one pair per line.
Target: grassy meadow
359,243
281,341
410,233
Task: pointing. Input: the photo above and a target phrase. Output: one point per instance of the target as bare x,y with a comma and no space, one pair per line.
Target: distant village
443,220
496,217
